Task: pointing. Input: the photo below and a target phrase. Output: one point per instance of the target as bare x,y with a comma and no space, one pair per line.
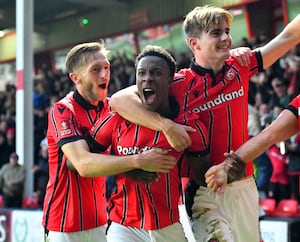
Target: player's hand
237,167
177,134
216,178
156,160
143,176
242,55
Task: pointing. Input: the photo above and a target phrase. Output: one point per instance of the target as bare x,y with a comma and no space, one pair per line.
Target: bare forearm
89,164
278,46
253,148
281,129
105,165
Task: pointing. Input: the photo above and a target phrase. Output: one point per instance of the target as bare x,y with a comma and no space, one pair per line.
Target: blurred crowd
277,170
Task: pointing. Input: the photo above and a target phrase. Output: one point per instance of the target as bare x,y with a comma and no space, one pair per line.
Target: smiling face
207,33
152,79
212,48
93,77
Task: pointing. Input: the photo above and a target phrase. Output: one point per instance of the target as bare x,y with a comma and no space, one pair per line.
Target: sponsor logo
20,229
220,99
2,228
132,150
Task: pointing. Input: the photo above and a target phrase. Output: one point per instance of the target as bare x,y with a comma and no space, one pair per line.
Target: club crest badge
230,75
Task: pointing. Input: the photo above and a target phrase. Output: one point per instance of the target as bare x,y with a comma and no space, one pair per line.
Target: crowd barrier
25,226
280,229
21,225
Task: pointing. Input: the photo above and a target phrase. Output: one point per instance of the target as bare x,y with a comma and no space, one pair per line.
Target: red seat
287,208
1,201
30,202
268,205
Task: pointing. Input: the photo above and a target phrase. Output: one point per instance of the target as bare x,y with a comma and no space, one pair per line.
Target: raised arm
285,40
127,103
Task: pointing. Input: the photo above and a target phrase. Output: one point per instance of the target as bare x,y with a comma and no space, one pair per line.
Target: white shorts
119,233
229,217
90,235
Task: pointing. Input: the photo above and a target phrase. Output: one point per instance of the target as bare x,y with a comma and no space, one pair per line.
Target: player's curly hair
154,50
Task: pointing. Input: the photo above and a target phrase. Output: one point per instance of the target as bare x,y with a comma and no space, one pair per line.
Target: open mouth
103,86
149,95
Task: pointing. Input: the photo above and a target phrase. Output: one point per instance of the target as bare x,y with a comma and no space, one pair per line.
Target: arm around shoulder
127,103
89,164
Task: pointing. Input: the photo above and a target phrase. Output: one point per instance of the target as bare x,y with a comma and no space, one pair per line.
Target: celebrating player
75,204
215,88
148,211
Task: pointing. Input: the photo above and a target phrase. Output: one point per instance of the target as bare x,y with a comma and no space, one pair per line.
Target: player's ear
194,44
74,77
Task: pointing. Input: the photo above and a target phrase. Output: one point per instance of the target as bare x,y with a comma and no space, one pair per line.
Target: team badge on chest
230,75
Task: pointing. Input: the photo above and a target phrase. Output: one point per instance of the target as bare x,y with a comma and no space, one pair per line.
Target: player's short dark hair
154,50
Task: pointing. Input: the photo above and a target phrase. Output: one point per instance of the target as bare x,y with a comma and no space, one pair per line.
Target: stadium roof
46,11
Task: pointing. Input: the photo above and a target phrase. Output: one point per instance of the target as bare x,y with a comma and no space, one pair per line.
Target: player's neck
212,64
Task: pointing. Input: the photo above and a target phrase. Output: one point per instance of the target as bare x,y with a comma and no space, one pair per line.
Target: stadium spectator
11,139
279,187
12,181
293,153
261,39
280,96
41,172
244,42
40,98
183,61
4,150
262,164
40,126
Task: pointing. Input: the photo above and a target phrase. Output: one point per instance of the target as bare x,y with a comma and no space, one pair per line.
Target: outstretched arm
128,104
285,126
277,47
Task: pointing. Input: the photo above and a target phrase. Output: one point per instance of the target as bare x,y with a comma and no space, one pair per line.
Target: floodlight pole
24,92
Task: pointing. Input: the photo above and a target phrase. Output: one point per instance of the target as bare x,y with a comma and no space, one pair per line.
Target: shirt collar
203,71
85,104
